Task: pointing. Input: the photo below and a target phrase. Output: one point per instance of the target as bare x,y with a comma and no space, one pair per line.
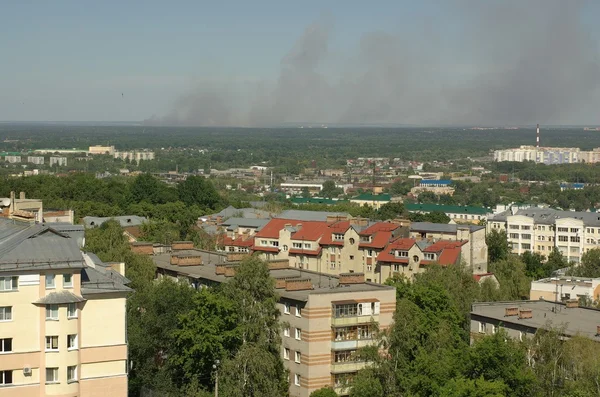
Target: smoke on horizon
517,63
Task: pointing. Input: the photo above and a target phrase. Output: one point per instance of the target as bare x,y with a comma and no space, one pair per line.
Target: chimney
511,311
220,269
525,313
230,270
22,196
572,303
298,284
352,278
281,282
298,226
182,245
537,136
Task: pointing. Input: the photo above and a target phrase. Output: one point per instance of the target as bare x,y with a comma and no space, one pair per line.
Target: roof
233,223
401,244
441,227
59,297
245,213
372,197
237,242
125,220
301,215
435,182
312,231
316,200
548,216
579,320
448,209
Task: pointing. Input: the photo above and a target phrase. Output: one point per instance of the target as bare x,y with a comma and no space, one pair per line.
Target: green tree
329,189
197,190
498,247
390,210
514,283
366,384
145,187
590,264
463,387
324,392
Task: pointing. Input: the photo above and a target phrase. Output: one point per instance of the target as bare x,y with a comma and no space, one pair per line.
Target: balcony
354,320
350,344
349,366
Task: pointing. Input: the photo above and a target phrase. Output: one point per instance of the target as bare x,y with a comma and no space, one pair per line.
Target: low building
564,288
59,216
457,213
316,200
435,186
124,221
327,318
58,161
99,149
313,187
30,210
522,319
374,201
62,316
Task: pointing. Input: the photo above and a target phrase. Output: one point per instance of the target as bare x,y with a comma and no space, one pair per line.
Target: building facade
457,213
62,317
564,288
38,160
59,161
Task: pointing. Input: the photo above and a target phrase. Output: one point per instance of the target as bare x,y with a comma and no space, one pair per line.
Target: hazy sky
268,62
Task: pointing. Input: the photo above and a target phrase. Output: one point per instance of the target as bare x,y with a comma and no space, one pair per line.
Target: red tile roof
379,240
339,227
388,254
264,249
449,256
238,242
311,231
380,227
444,244
299,251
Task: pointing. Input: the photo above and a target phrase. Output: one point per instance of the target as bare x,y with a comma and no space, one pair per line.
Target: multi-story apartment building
13,159
62,316
35,159
360,246
135,155
59,161
99,149
543,229
327,318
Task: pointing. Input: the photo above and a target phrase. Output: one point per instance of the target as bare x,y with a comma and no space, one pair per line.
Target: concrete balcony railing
350,366
345,321
351,344
342,390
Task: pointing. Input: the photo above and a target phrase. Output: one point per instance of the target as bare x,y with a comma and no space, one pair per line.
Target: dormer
337,236
401,254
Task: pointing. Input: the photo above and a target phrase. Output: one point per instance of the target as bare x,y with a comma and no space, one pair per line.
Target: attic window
338,236
429,256
402,254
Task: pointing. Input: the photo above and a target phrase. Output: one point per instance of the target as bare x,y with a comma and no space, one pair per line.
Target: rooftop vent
525,313
572,303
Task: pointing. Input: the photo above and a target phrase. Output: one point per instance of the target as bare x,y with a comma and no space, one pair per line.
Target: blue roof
435,182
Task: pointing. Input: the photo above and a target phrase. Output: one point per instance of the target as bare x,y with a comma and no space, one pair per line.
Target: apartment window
298,312
563,238
71,373
563,229
574,250
264,242
369,268
347,310
72,342
344,356
286,308
574,230
5,345
231,249
6,313
6,377
370,253
338,236
275,243
297,357
514,227
285,248
526,246
402,254
307,245
575,239
541,238
51,312
396,267
286,331
68,281
51,375
72,310
429,256
51,343
514,235
298,334
297,245
525,227
365,332
351,257
286,353
9,283
332,265
297,379
526,236
50,280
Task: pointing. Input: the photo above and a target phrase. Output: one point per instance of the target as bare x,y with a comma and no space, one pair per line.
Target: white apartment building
135,155
59,161
542,229
35,160
12,159
548,155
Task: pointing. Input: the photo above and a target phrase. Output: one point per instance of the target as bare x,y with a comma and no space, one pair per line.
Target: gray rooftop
577,321
59,297
247,213
124,221
441,227
301,215
322,283
76,232
549,216
233,223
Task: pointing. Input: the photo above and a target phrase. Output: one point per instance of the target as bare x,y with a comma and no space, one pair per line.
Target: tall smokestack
537,137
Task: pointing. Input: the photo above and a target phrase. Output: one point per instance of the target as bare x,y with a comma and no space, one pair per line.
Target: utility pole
216,368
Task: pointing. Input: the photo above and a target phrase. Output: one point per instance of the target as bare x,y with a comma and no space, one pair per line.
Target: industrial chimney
537,136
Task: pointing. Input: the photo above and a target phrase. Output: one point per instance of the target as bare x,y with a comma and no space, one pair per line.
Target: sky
265,63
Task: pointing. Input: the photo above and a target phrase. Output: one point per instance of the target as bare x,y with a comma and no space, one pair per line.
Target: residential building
327,318
231,212
522,319
124,221
374,201
62,316
543,229
435,186
21,208
457,213
564,288
58,161
313,187
323,216
135,155
12,159
98,149
35,159
59,216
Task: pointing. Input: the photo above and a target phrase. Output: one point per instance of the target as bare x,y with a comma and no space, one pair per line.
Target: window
275,243
9,283
524,227
514,235
307,245
575,239
297,357
286,331
297,245
6,345
344,356
297,379
72,342
286,308
429,256
396,267
51,343
415,258
574,230
526,246
50,280
6,313
298,334
338,236
563,238
351,241
574,250
369,269
286,353
332,266
68,281
6,378
285,247
514,227
51,375
351,257
298,313
71,373
563,229
526,236
231,249
345,310
51,312
481,327
402,254
370,253
494,329
264,242
72,310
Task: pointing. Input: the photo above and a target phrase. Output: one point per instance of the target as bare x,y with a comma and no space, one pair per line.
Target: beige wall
95,329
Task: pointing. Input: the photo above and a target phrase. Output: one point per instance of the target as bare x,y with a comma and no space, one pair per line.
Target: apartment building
457,213
99,149
564,288
58,161
327,318
21,208
62,316
13,159
135,155
522,319
543,229
38,160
